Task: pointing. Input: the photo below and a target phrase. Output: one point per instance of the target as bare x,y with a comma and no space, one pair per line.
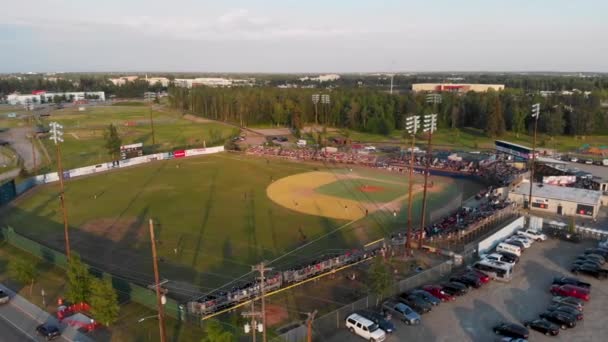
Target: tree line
379,112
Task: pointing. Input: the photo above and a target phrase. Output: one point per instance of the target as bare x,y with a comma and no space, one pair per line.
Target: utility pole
535,116
262,269
57,137
152,126
159,300
412,123
254,315
33,143
430,125
309,320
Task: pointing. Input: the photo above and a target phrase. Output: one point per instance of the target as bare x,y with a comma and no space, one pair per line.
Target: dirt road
18,138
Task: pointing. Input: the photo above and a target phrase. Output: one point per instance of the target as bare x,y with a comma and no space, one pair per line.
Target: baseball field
217,215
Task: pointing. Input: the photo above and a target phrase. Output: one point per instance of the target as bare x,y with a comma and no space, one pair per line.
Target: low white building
203,81
162,80
18,99
322,78
123,79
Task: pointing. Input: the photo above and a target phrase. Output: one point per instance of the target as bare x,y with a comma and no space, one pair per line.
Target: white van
505,247
365,328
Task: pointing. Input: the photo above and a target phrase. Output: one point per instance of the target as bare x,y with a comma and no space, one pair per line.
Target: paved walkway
24,316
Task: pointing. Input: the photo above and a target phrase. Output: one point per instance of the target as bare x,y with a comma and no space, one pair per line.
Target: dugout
559,200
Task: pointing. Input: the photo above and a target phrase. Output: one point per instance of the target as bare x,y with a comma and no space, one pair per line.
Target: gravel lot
470,318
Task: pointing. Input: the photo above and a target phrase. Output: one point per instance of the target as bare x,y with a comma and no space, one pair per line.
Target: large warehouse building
559,200
456,87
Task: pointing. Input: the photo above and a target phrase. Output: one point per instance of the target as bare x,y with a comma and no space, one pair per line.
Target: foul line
285,288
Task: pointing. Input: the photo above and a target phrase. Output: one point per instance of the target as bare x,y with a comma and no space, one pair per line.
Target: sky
303,36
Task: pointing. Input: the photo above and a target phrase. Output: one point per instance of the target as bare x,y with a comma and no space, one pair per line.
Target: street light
535,115
57,138
412,124
429,126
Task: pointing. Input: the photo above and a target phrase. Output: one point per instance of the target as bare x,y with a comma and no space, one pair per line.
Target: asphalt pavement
11,333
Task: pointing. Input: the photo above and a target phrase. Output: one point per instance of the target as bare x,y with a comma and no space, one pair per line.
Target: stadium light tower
535,115
429,126
57,138
315,101
412,124
325,100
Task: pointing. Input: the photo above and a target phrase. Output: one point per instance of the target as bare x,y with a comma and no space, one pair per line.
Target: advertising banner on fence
179,154
559,180
196,152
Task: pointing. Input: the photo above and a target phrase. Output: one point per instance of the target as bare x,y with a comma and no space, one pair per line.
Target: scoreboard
131,151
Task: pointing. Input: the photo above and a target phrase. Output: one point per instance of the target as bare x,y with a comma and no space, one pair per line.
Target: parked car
590,263
4,298
515,243
562,319
484,278
438,292
570,291
563,235
468,279
573,159
377,318
595,257
48,331
512,339
499,257
418,304
401,311
533,234
603,244
524,240
429,298
599,251
589,161
567,309
590,270
509,257
570,281
571,301
511,330
543,326
455,288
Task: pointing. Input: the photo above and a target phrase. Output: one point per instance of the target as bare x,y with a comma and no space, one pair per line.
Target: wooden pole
532,166
62,200
152,126
261,267
408,241
426,178
159,302
311,317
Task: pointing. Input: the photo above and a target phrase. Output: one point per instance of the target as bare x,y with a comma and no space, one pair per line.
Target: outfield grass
212,215
83,133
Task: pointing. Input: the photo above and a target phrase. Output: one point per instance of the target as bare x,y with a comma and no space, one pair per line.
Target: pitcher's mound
371,188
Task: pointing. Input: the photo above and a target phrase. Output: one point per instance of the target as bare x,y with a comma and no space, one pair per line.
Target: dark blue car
377,318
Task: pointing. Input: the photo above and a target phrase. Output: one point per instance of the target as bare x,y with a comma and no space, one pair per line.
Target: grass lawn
366,190
83,133
212,215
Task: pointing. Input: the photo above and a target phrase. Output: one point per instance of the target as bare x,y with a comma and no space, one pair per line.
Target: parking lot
471,317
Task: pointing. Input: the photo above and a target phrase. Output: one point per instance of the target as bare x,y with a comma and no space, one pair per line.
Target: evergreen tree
113,142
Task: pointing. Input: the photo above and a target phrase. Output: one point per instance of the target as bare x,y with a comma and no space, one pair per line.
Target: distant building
322,78
162,80
123,79
203,81
42,96
456,87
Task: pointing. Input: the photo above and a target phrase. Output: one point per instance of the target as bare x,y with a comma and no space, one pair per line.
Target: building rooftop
560,193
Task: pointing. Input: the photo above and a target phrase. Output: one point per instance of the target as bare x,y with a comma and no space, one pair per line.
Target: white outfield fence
104,167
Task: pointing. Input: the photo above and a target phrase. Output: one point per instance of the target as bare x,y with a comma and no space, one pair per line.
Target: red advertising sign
179,154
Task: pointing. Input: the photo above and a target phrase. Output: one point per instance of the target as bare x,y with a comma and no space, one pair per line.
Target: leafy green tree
215,333
104,301
23,271
79,281
113,141
495,122
380,279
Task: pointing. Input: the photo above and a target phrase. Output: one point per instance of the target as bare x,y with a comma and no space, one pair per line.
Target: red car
484,278
437,291
570,291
